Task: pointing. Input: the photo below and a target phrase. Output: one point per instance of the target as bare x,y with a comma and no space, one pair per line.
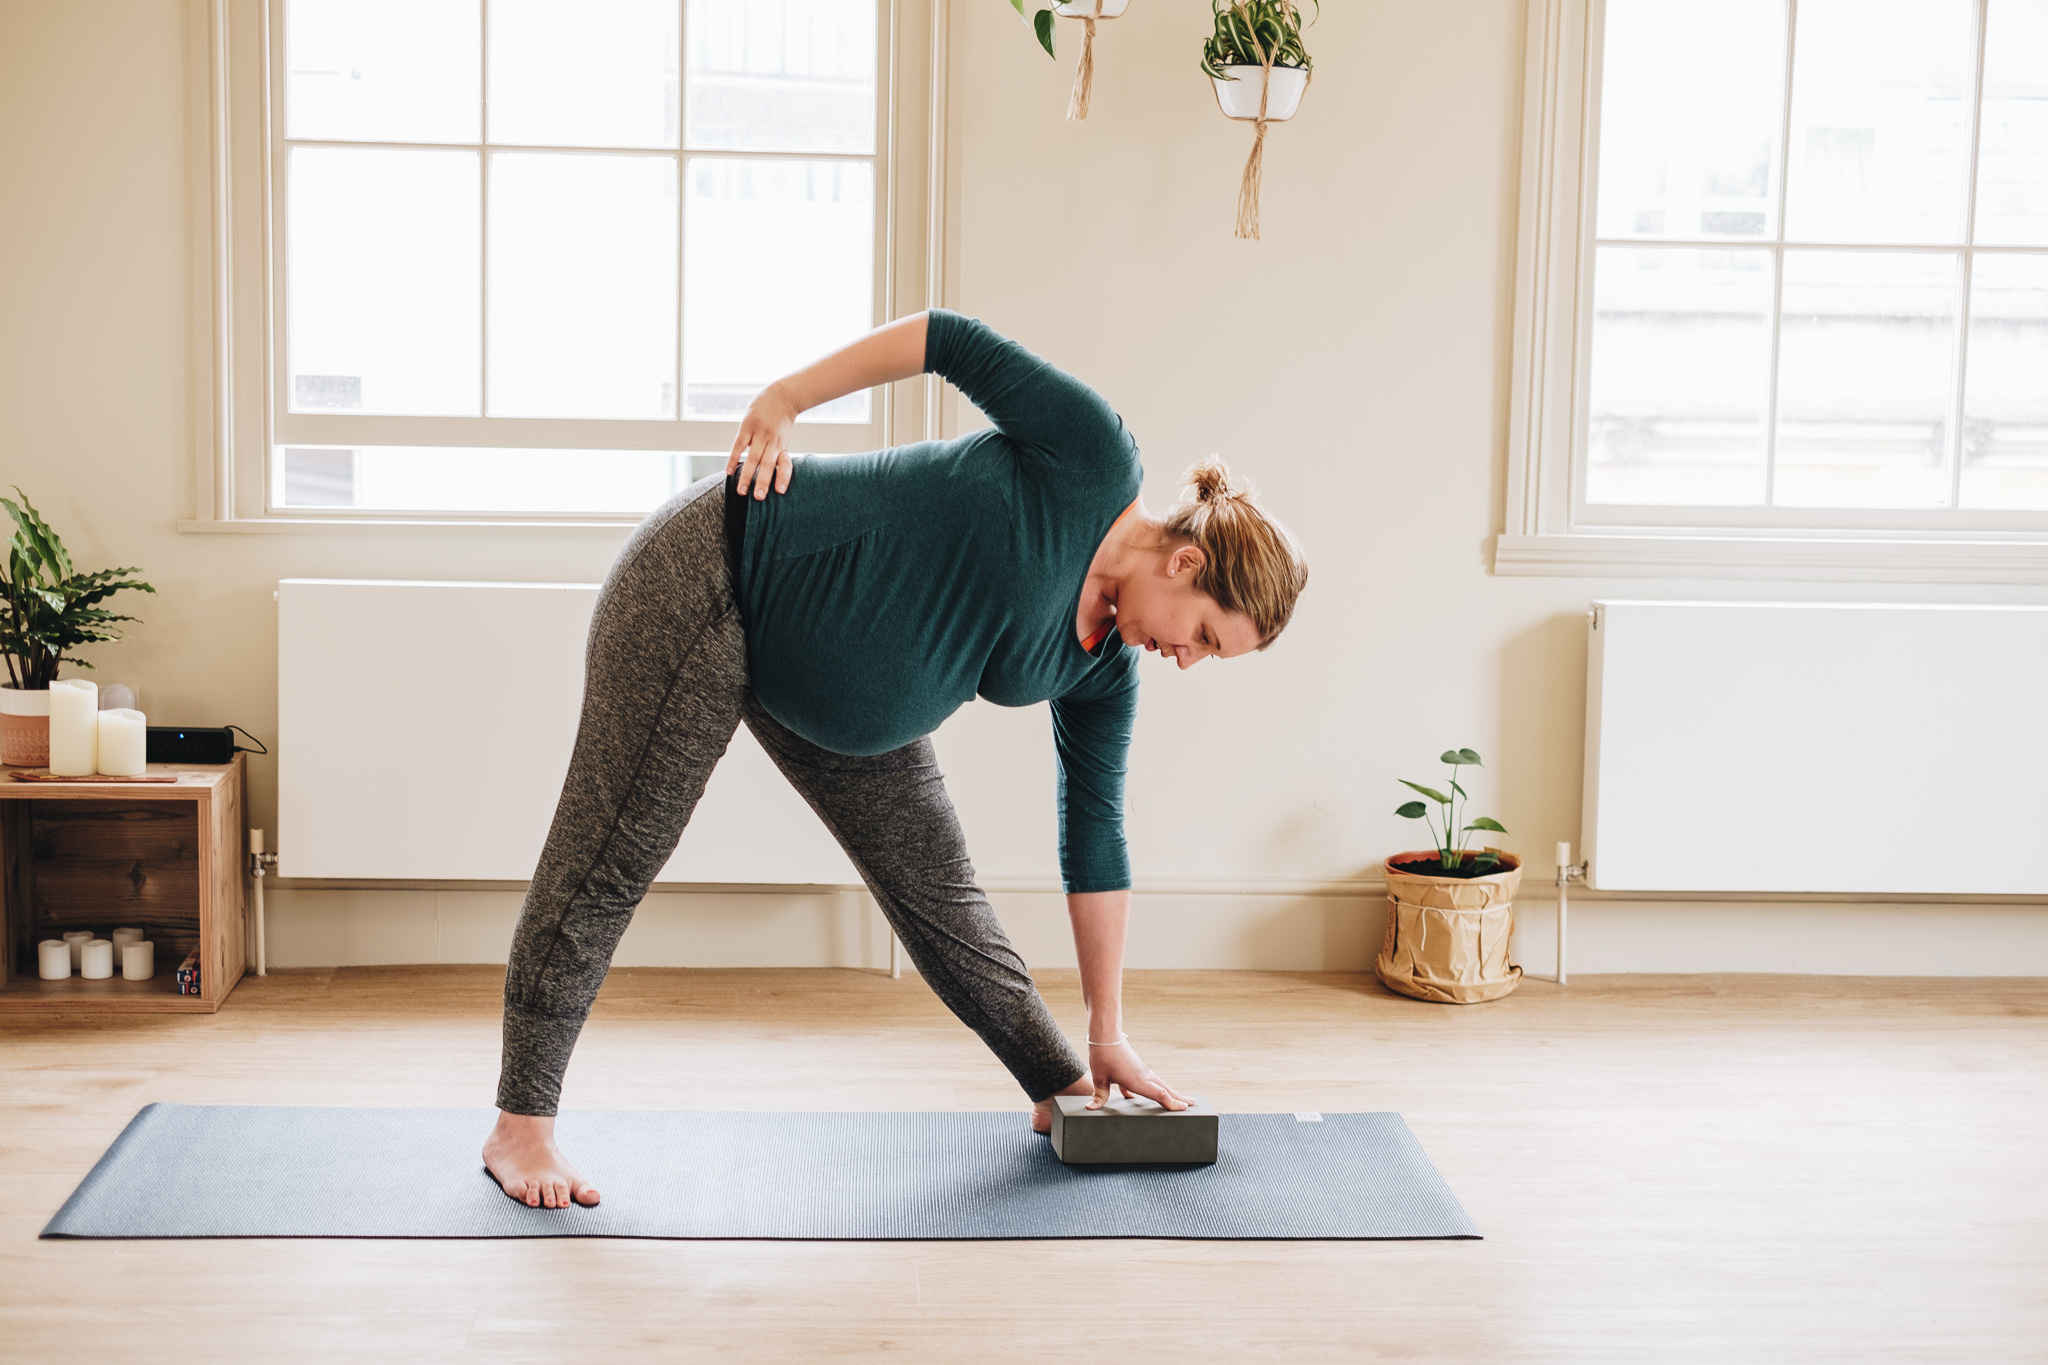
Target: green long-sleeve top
884,591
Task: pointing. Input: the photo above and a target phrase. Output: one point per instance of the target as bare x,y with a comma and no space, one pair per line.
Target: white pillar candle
124,739
53,959
96,961
75,942
121,938
138,961
74,727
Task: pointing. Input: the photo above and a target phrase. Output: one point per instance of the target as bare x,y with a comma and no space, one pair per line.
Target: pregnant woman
842,619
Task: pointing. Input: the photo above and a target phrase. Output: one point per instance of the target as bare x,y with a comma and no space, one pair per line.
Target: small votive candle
77,939
96,961
121,938
53,959
124,742
138,961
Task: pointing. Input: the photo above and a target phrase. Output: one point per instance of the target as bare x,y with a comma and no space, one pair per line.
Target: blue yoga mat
182,1170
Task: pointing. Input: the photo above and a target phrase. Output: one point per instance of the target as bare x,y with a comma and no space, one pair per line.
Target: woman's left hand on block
761,453
1120,1066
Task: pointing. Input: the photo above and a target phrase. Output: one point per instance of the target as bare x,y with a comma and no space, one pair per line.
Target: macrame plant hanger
1084,75
1254,165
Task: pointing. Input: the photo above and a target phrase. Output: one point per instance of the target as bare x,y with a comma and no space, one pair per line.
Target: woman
842,621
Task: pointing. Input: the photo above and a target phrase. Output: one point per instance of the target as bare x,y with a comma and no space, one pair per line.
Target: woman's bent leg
664,681
891,814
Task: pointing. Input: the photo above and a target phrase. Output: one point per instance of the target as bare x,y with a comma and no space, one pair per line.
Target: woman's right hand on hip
761,453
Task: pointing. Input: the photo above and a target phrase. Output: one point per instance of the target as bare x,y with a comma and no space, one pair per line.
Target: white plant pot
24,727
1086,9
1239,96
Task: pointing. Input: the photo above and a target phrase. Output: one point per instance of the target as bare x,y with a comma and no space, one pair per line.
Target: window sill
405,526
1813,559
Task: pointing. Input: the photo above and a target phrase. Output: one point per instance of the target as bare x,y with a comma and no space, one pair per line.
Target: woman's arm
883,356
1100,919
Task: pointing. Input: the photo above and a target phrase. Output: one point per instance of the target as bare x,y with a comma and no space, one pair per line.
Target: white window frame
238,410
1548,529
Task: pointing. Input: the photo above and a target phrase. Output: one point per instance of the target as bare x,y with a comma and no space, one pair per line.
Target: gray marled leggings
665,687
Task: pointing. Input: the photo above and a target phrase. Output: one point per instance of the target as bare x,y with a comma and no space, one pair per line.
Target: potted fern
46,608
1450,911
1259,67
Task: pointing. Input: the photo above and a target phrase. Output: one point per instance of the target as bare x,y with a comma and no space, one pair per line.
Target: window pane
1690,112
1681,360
2012,152
598,73
381,70
582,285
1865,374
778,270
381,292
2005,403
1880,120
445,479
783,75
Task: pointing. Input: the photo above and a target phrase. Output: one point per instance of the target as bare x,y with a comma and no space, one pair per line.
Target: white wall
1354,361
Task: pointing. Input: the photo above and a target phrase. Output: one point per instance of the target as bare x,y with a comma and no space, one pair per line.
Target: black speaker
190,744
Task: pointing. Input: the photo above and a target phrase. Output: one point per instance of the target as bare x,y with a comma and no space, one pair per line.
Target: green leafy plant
1249,31
1451,854
48,607
1041,21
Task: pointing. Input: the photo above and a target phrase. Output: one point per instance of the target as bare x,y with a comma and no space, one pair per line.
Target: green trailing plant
49,607
1248,32
1041,21
1451,853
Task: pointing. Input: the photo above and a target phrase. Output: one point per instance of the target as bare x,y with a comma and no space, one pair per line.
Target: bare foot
522,1157
1041,1111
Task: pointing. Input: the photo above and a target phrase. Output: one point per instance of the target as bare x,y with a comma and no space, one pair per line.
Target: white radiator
424,729
1805,747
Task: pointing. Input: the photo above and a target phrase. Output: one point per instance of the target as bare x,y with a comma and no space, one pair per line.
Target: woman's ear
1185,559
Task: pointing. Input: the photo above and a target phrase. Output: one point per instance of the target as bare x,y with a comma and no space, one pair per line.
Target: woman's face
1159,608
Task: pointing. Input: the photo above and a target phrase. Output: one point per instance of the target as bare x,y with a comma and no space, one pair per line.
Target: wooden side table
168,858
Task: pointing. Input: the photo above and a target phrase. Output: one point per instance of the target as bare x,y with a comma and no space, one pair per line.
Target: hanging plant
1259,67
1087,11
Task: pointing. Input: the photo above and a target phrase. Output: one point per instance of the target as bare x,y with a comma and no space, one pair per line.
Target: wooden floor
1722,1169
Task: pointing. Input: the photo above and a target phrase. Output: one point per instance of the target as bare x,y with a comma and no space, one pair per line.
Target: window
1783,307
531,260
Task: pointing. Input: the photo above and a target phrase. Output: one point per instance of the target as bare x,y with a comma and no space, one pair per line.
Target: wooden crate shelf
168,858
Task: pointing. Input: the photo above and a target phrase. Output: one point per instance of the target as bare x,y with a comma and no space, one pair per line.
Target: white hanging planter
1238,96
1087,11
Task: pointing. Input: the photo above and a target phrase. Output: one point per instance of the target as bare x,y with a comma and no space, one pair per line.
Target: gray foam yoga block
1132,1130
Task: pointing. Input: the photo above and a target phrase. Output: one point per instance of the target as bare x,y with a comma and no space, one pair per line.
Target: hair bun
1211,482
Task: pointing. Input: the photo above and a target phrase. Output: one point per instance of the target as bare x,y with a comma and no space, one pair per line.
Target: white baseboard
1315,927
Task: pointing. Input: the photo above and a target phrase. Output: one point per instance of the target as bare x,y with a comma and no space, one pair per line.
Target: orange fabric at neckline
1101,633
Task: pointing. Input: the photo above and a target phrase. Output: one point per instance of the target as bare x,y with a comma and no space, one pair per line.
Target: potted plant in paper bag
46,608
1450,911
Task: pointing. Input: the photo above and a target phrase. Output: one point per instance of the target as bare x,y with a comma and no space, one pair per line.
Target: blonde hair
1250,562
